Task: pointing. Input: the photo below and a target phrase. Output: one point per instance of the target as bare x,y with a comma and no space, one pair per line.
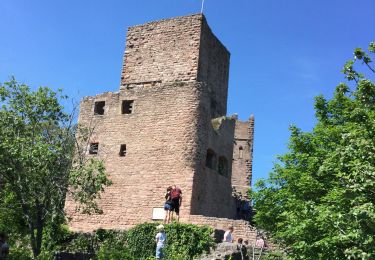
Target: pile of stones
231,251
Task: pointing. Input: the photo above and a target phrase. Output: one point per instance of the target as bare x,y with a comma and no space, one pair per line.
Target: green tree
41,155
319,201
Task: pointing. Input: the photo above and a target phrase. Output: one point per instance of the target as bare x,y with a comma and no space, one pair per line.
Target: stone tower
168,125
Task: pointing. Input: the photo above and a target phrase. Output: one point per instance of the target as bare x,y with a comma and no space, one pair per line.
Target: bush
113,245
82,242
56,236
19,248
19,253
46,255
141,240
184,241
275,255
110,252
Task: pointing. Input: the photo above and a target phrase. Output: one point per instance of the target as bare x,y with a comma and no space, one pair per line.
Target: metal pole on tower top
202,6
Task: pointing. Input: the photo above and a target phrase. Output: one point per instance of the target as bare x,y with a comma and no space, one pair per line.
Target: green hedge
184,242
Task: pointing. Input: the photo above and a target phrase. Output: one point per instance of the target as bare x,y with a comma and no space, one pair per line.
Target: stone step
242,228
225,251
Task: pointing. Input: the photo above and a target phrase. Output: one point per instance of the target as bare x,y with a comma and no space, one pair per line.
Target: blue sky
283,53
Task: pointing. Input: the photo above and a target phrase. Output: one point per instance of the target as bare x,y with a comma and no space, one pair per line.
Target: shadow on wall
243,208
218,235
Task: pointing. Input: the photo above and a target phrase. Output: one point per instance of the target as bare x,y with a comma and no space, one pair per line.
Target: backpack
176,193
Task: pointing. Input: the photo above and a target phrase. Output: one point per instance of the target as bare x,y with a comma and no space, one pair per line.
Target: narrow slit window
223,166
94,148
99,107
122,150
127,106
241,152
211,159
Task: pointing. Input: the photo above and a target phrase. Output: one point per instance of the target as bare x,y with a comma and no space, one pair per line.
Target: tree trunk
37,238
32,239
31,228
39,228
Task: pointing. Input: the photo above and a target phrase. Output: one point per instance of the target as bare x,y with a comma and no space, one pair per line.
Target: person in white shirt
228,235
161,239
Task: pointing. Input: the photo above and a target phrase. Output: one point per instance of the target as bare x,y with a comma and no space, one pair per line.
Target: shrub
141,240
56,236
82,242
112,245
184,241
46,255
19,253
275,255
110,251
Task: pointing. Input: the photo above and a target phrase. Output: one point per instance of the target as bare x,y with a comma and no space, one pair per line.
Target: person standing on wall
176,196
168,205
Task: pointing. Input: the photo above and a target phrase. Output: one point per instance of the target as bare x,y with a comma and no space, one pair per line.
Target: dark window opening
223,166
211,159
94,147
127,106
122,150
213,108
99,107
240,152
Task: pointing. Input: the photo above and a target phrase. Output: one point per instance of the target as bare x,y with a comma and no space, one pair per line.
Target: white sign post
158,214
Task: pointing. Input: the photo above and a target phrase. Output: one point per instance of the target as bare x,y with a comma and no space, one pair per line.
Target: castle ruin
168,125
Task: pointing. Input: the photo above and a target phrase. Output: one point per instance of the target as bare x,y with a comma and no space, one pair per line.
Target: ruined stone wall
214,70
176,72
212,189
242,228
162,51
243,156
178,49
160,137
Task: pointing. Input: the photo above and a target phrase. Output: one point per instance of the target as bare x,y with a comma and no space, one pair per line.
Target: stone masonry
168,125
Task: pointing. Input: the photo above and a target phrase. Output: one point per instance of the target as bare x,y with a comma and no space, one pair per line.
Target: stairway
242,228
226,251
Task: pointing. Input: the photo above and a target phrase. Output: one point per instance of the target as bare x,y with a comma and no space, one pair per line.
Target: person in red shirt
176,196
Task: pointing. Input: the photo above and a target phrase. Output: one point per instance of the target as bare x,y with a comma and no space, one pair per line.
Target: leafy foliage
184,242
141,240
319,202
39,159
108,252
42,153
113,245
